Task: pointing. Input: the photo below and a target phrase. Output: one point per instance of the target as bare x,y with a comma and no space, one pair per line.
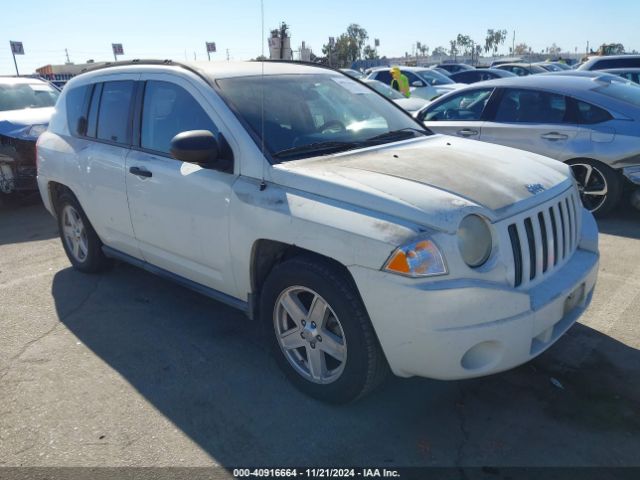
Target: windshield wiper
317,147
400,134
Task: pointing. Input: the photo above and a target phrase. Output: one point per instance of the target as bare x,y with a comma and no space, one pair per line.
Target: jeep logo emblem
535,188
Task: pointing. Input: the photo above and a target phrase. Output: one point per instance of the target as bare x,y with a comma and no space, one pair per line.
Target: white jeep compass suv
315,205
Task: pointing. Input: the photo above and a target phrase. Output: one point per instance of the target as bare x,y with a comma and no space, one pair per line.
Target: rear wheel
79,239
320,333
600,186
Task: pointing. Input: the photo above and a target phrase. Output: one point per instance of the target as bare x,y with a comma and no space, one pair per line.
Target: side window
384,76
465,106
590,114
530,106
412,77
169,109
76,108
114,113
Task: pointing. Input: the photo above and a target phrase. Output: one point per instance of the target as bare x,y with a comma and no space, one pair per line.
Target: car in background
411,104
421,79
440,70
26,105
550,66
353,73
631,74
590,123
503,61
522,69
480,75
611,61
454,67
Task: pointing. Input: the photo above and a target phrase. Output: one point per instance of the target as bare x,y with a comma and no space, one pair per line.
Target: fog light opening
482,355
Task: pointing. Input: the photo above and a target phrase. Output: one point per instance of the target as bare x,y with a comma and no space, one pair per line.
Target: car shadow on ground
203,366
26,220
624,222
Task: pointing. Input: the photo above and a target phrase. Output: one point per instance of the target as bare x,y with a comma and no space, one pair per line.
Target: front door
459,115
179,210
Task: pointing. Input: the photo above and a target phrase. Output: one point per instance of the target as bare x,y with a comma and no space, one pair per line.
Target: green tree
522,49
370,53
439,52
493,40
348,47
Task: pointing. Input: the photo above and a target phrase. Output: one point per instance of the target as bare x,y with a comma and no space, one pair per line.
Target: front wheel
600,186
321,335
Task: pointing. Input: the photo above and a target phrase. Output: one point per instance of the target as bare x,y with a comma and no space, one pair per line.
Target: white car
426,83
303,198
411,104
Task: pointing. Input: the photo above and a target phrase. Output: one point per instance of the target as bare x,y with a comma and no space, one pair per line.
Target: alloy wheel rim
74,233
592,185
310,335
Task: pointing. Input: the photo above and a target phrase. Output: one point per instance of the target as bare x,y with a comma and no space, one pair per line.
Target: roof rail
135,61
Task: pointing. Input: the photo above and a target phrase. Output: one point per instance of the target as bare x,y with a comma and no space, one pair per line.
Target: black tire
94,260
365,366
602,176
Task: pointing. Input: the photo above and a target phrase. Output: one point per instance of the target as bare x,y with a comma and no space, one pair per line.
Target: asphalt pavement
125,368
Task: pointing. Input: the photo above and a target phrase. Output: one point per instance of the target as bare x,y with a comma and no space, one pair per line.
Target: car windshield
624,91
27,95
313,114
384,89
433,77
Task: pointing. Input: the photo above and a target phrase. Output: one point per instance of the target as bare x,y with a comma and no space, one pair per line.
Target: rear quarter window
590,114
76,102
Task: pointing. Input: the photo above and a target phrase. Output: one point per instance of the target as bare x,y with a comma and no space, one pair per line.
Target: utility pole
227,54
66,52
513,45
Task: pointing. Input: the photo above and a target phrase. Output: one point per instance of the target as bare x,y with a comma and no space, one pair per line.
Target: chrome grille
545,238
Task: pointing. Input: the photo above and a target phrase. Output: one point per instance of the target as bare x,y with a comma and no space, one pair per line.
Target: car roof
8,80
215,70
567,84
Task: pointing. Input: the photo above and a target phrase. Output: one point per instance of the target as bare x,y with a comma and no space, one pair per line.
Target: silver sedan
590,122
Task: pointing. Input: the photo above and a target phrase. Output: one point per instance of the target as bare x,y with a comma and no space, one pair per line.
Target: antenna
263,185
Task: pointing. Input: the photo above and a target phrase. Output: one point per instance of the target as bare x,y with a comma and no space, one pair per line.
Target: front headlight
474,240
36,130
420,258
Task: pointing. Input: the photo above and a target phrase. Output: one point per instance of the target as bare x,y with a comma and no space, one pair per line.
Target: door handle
467,132
553,136
140,172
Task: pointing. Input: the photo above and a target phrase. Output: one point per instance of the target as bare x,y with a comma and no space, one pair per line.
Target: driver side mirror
199,147
417,83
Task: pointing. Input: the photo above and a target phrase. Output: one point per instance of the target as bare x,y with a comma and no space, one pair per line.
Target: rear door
460,114
533,120
179,210
103,138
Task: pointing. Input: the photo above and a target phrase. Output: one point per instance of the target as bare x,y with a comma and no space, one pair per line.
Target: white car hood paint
431,181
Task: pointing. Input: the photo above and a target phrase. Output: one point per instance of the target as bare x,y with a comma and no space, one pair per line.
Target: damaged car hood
436,175
16,123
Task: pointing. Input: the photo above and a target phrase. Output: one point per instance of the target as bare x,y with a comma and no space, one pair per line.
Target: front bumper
17,164
453,329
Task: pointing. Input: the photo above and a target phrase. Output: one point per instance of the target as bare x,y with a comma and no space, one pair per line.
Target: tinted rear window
115,106
590,114
27,95
76,106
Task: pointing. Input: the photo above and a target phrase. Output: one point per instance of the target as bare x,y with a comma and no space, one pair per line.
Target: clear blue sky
166,29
